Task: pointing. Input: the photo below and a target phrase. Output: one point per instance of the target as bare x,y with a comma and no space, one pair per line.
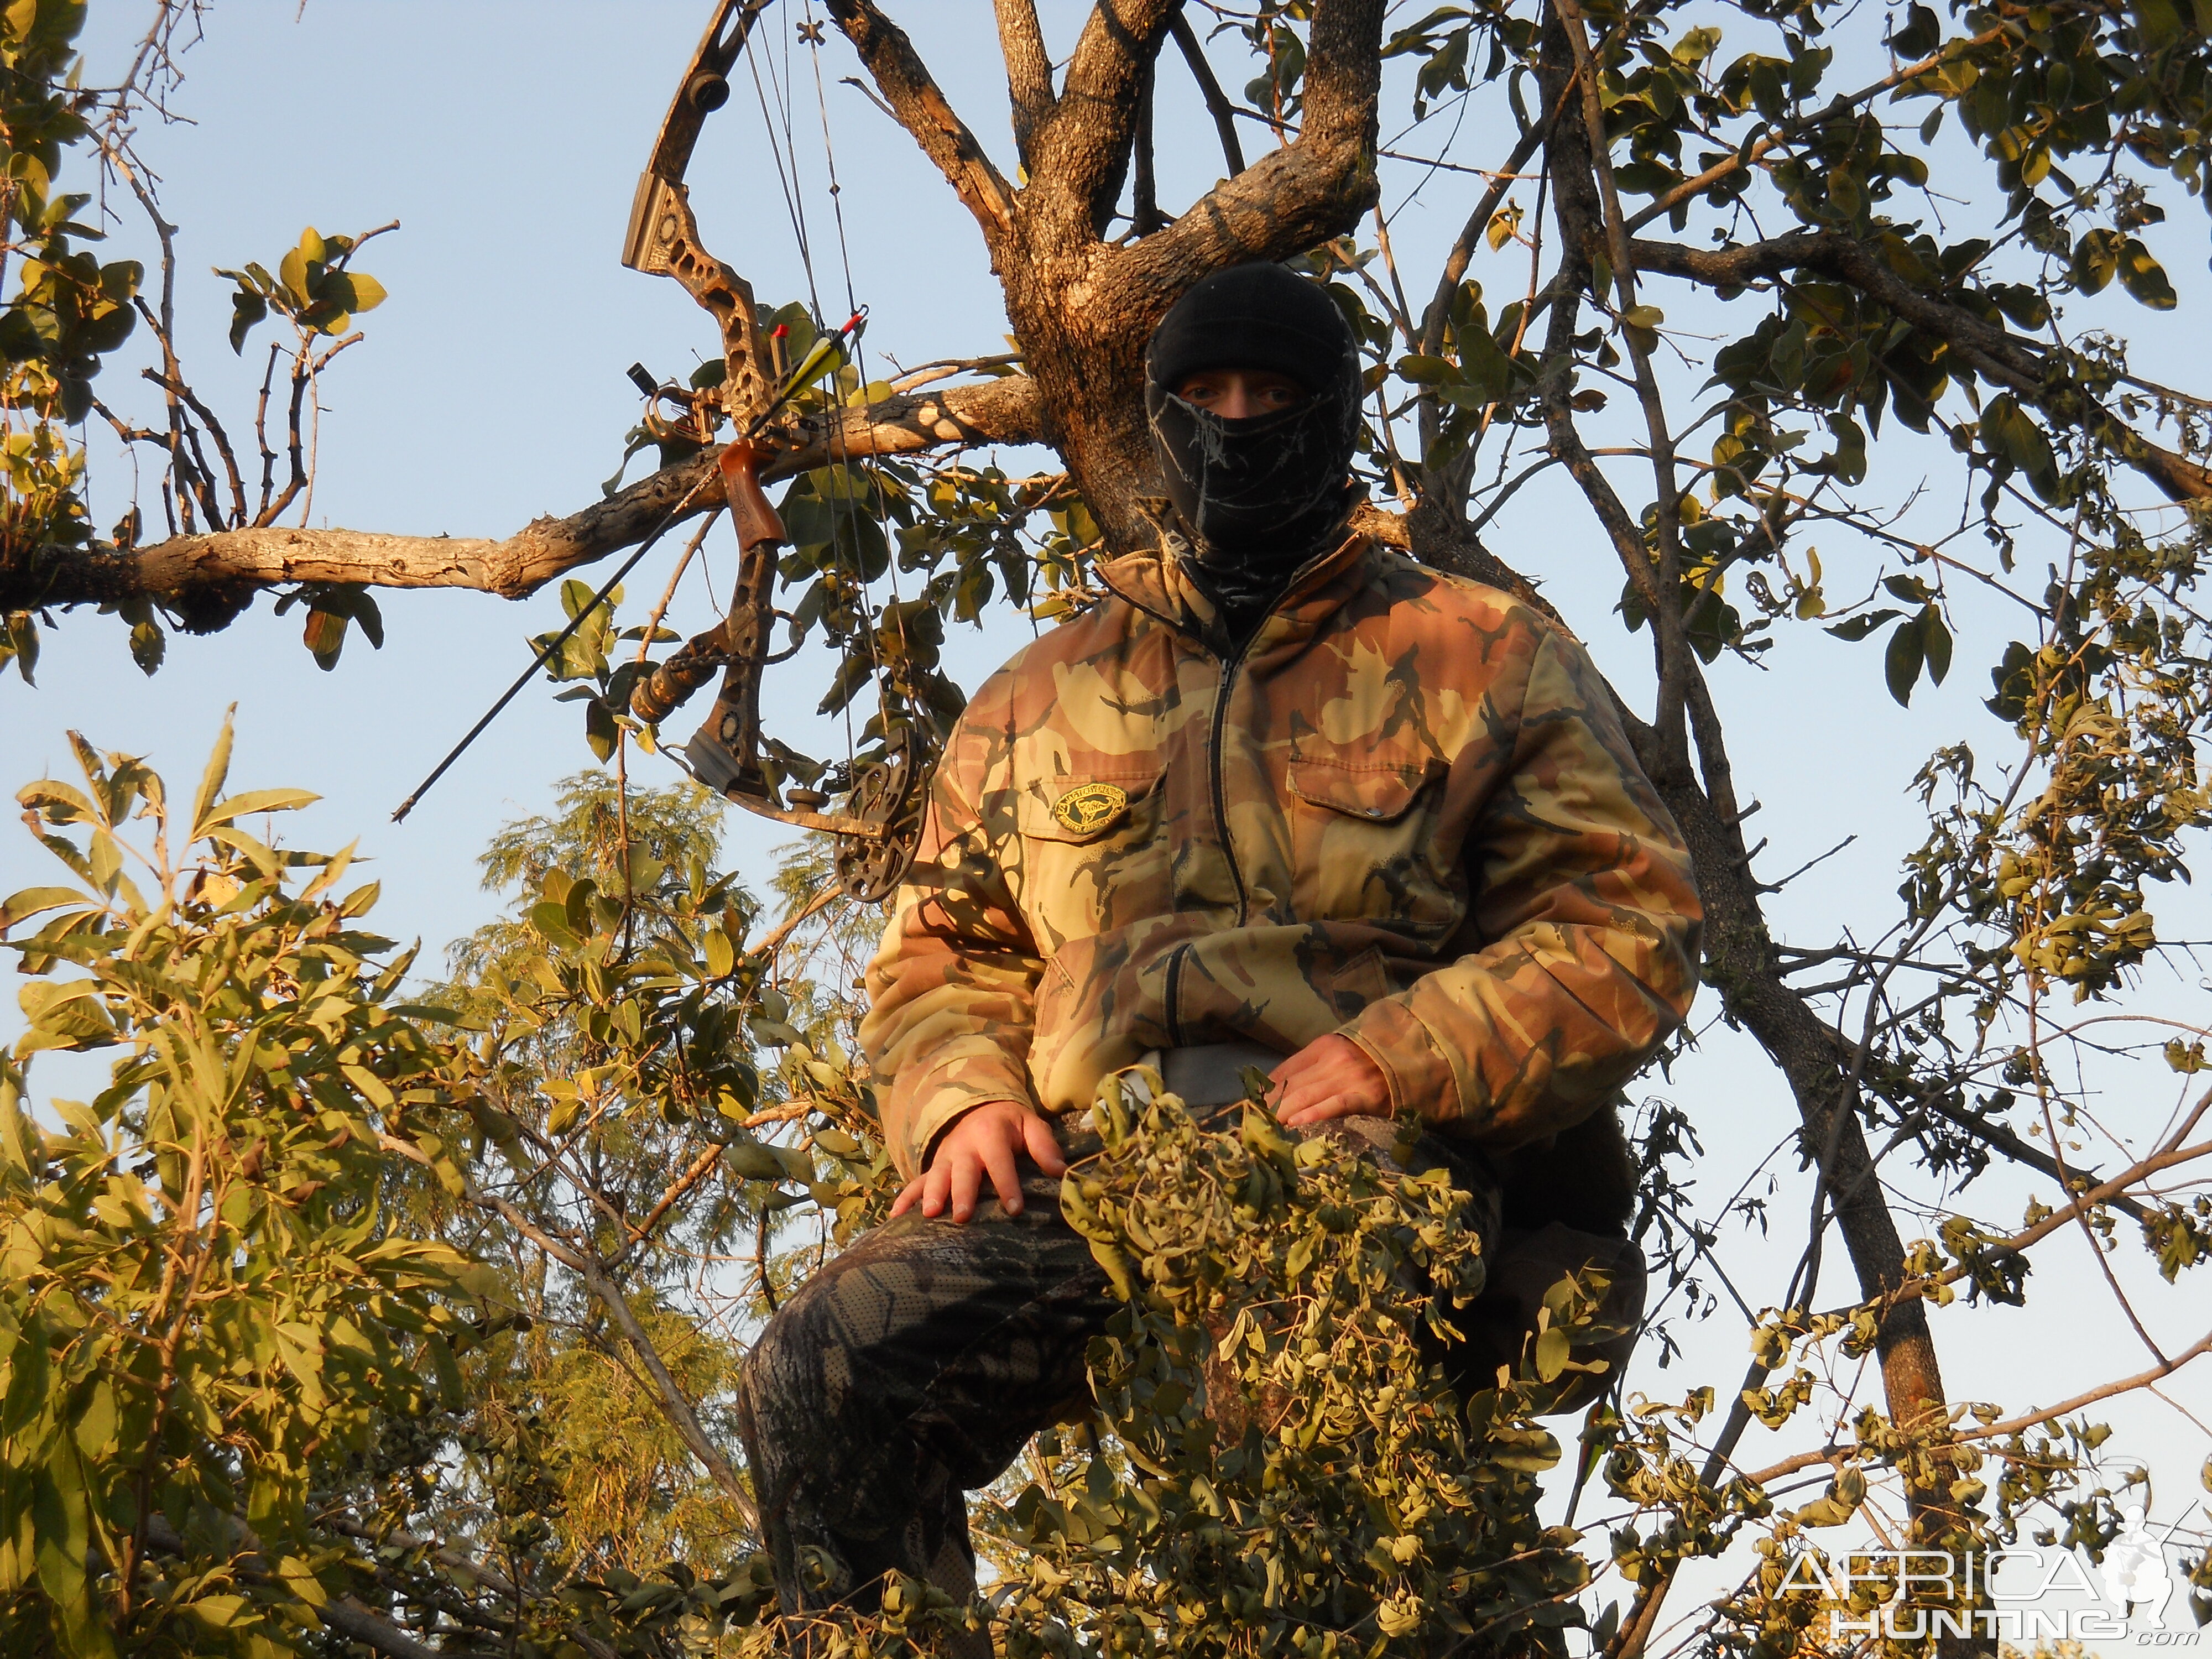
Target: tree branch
1084,154
1785,132
1999,1139
237,563
2010,1426
1455,264
1344,73
582,1260
673,1404
342,1615
1145,215
1312,189
1994,353
1217,102
1029,72
1668,624
907,86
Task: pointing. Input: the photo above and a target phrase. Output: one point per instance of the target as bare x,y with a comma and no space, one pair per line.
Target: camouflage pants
915,1366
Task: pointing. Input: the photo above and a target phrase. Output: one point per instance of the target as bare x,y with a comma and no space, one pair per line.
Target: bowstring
829,151
784,148
861,367
793,207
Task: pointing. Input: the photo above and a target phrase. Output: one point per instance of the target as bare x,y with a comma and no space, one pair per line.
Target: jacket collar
1154,581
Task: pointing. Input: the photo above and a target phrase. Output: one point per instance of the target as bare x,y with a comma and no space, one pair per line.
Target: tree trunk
1082,307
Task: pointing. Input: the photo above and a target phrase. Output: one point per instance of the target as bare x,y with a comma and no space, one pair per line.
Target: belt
1210,1074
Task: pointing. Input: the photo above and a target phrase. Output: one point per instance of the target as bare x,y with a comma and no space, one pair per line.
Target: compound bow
881,824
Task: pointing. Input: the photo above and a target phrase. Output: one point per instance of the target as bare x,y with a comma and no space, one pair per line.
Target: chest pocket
1364,845
1092,855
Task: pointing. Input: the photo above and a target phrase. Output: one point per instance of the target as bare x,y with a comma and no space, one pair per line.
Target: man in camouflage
1286,795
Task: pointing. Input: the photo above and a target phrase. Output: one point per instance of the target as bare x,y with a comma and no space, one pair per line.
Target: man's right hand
987,1140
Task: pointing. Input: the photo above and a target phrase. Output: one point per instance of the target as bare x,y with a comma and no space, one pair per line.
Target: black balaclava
1257,498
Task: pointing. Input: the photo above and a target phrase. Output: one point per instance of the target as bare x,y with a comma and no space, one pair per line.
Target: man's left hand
1330,1077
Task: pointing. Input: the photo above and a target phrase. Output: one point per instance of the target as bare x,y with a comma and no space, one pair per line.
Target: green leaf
1920,36
251,801
1553,1348
19,638
35,900
298,1577
60,1529
1855,628
2144,278
551,919
2009,431
2096,258
1901,662
722,955
247,309
751,1161
451,1391
599,728
1935,643
366,293
1427,371
293,270
149,645
95,1429
65,1014
218,1613
324,637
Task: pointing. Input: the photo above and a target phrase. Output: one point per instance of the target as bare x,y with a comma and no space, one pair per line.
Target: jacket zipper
1229,668
1173,990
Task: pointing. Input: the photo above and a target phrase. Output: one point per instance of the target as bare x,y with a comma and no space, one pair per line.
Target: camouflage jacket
1405,811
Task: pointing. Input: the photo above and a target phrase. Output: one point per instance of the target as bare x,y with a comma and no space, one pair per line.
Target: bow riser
739,641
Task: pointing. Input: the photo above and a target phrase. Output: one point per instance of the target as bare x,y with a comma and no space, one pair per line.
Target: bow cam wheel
890,793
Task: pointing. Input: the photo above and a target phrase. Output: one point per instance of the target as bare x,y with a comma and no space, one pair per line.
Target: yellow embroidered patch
1090,807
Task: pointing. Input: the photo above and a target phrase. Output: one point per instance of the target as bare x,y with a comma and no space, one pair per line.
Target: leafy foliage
312,290
205,1314
67,309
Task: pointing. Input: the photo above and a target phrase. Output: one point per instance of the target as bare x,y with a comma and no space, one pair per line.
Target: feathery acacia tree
1769,163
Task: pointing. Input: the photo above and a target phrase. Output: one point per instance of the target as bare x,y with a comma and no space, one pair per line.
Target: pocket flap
1082,809
1378,790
